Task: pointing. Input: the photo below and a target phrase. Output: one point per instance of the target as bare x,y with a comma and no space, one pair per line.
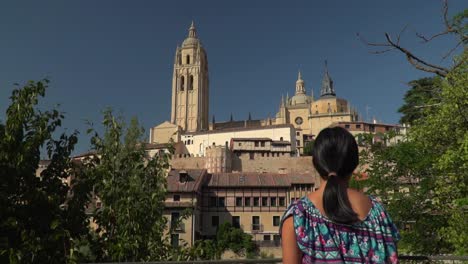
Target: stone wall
188,163
262,164
273,164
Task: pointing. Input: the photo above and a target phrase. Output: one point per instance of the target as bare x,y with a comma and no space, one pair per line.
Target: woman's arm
291,253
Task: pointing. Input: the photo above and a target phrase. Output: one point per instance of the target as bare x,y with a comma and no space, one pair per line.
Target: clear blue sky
120,53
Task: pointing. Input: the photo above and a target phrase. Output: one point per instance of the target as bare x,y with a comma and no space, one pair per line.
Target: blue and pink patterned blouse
372,240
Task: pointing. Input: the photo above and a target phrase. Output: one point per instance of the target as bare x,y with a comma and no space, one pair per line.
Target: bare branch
417,62
425,40
426,69
382,51
452,50
372,43
401,32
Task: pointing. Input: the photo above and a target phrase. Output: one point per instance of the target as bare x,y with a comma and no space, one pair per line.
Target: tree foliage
424,93
132,188
39,215
424,180
308,148
227,238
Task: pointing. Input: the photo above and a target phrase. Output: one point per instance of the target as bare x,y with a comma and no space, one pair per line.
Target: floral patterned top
372,240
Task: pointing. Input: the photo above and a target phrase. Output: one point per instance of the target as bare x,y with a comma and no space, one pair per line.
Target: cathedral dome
300,99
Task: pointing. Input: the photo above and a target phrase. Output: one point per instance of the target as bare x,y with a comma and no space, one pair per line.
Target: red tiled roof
258,179
251,139
194,184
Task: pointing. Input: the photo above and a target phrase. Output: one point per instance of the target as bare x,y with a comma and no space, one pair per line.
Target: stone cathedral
304,113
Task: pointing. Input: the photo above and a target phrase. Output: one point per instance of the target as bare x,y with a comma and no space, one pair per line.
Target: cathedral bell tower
190,85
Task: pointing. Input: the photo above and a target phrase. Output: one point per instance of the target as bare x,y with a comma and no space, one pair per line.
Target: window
190,83
247,201
358,126
236,221
273,201
176,198
256,201
257,143
256,223
212,201
221,202
238,201
276,237
282,201
263,154
298,133
387,128
262,143
281,138
240,144
182,83
292,200
175,240
188,59
252,155
264,201
174,218
298,143
267,237
276,220
214,220
346,126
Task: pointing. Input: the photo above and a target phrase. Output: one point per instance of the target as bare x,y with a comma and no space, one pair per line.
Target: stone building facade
253,202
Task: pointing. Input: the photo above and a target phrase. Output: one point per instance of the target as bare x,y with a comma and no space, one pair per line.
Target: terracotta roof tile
194,184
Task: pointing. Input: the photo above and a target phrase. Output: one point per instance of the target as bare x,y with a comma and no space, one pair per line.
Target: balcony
178,227
257,228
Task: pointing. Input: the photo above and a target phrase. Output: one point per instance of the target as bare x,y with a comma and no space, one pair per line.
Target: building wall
189,226
164,133
245,213
188,162
282,164
200,141
323,121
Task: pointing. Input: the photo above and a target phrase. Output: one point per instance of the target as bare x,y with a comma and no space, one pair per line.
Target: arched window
190,83
182,83
188,59
179,59
281,138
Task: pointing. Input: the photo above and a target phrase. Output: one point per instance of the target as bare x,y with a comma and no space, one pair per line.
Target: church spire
300,89
192,31
327,84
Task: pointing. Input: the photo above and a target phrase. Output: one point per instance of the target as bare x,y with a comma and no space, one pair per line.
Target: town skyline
248,64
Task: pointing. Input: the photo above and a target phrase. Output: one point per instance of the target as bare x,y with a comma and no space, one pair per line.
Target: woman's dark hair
335,156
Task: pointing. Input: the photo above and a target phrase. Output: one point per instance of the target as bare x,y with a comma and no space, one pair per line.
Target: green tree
132,188
424,180
39,215
227,238
308,148
423,94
